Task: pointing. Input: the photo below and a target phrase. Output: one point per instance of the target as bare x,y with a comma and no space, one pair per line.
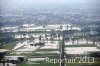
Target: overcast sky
38,2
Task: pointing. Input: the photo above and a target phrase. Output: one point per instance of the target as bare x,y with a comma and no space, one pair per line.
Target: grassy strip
85,45
46,54
48,49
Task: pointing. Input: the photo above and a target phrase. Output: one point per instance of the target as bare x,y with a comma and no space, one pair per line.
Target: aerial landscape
49,33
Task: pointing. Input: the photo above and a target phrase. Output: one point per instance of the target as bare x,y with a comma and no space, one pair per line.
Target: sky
42,2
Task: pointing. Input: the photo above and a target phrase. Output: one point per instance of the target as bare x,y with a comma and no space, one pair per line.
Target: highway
62,63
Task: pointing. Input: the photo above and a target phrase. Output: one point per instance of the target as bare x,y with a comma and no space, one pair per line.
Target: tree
61,27
67,38
67,27
46,36
20,59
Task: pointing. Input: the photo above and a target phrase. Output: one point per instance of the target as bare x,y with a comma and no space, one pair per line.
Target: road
62,63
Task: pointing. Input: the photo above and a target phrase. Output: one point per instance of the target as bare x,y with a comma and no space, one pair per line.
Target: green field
10,45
